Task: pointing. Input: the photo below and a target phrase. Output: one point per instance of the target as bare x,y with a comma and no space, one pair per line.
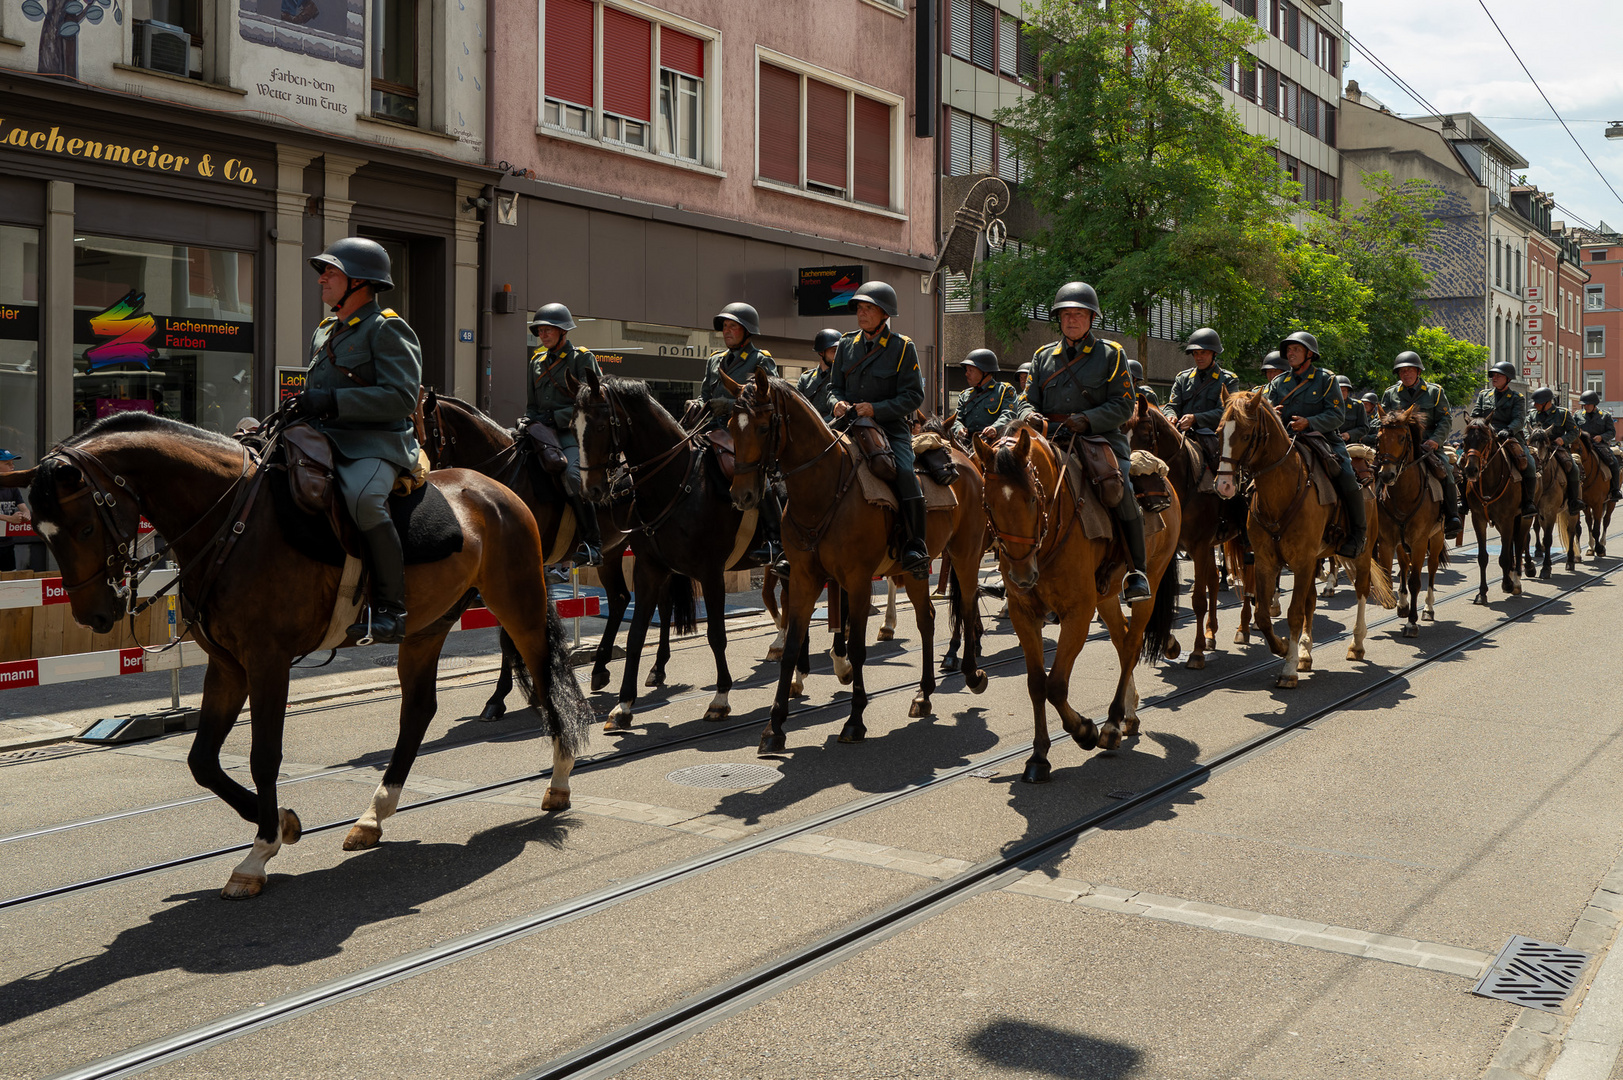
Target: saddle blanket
429,530
1098,522
879,493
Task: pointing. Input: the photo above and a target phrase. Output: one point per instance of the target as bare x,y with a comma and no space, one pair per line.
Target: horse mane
1006,464
44,495
479,415
1403,418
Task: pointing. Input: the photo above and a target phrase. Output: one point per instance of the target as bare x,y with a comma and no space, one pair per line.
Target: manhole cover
1532,973
725,775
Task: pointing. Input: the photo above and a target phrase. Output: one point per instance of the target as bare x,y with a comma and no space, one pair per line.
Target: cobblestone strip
1429,955
908,862
1584,1042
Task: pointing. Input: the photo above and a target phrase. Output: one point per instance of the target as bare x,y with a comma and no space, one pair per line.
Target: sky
1449,53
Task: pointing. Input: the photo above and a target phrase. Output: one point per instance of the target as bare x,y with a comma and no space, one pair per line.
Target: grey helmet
983,359
1024,369
743,315
1505,368
1370,398
878,294
1408,359
1344,382
1543,396
1589,397
825,339
1204,338
1273,362
1301,337
1074,294
359,259
553,315
1136,370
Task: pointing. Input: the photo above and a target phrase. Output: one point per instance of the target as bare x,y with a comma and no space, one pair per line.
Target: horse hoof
619,719
886,633
1196,662
1544,576
773,742
292,827
1304,664
1109,736
1211,642
797,687
949,664
853,732
493,710
1129,728
1241,637
1428,616
656,677
1355,652
362,837
600,678
717,713
774,653
1411,630
242,887
1286,682
1171,649
1037,772
1480,598
1086,735
976,682
920,707
555,799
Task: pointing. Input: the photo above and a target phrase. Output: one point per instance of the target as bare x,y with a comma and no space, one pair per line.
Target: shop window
162,328
394,60
821,135
19,342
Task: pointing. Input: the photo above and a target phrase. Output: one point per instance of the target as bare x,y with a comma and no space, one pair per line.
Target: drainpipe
487,245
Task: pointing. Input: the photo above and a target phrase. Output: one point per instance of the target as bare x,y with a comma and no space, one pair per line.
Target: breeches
364,485
907,481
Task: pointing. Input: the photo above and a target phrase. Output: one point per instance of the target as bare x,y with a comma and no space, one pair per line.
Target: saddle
871,439
720,441
1211,446
1319,445
543,443
1363,459
932,457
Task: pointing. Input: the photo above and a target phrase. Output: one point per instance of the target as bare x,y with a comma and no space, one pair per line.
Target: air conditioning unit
163,47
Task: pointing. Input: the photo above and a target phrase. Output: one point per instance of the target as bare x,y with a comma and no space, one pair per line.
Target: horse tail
564,713
684,609
957,618
1159,630
1380,580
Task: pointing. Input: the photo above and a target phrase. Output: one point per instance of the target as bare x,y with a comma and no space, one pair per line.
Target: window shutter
980,145
1330,125
1248,82
983,25
960,29
1027,57
1008,46
872,151
628,64
569,51
1270,89
778,126
958,155
825,134
681,52
1008,162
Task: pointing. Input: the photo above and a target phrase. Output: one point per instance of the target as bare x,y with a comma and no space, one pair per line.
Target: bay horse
457,435
1287,526
257,604
681,516
1411,526
1491,486
1050,564
832,533
1554,520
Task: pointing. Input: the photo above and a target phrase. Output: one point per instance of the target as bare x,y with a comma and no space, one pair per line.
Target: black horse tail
684,609
956,620
563,710
1159,630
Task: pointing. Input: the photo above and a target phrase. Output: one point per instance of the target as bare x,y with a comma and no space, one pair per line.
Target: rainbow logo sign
129,328
842,292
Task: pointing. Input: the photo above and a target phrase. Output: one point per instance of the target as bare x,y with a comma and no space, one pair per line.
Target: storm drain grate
1532,973
725,775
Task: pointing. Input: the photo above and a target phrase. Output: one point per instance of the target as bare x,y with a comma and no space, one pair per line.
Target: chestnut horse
257,604
1050,564
832,533
1411,525
1492,489
1287,526
1551,499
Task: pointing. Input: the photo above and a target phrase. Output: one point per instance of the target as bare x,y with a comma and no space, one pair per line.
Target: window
19,342
1498,264
821,135
1307,112
1498,339
628,51
1595,381
681,94
1270,89
394,60
1594,298
1598,255
1008,46
1329,135
1008,161
1248,82
972,35
969,145
1518,265
1594,341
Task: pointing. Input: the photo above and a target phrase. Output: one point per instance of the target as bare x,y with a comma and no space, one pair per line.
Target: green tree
1321,296
1149,186
1457,364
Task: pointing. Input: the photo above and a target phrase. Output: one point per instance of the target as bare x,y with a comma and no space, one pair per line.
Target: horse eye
85,533
760,429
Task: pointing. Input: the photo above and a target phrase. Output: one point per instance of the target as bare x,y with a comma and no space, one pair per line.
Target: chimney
1352,93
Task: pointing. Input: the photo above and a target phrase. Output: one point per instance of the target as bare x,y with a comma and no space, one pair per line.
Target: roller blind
872,151
778,131
569,51
628,64
826,140
681,52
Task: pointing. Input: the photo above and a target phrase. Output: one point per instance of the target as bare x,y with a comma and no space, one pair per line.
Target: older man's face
870,316
1075,323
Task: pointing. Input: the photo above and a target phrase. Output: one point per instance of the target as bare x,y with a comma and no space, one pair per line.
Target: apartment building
1600,316
167,167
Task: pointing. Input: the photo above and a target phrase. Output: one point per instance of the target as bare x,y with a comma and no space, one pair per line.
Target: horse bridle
1001,539
1383,459
777,435
647,469
1482,458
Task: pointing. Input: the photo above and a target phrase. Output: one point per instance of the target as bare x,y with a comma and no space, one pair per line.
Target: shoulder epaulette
1187,371
389,313
329,320
850,335
764,353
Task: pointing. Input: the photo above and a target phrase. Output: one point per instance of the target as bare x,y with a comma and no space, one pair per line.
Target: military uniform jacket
884,373
739,364
547,397
1599,425
991,404
1429,400
1148,394
1317,398
813,386
1356,425
1505,410
1093,381
374,366
1558,423
1201,393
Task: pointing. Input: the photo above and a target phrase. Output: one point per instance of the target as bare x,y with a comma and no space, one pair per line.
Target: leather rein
1001,539
1484,458
638,474
777,440
1234,467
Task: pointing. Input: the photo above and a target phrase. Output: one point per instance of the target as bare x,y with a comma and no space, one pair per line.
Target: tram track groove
668,1026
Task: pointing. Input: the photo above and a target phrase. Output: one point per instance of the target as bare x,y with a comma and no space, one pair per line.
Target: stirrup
1135,587
1357,549
588,555
915,562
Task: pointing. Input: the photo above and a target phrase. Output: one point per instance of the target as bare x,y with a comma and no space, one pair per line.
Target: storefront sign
827,290
19,322
124,333
74,142
289,384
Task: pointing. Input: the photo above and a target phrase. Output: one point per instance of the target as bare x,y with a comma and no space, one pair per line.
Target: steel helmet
1589,397
1371,399
825,339
1543,396
878,294
1024,369
1408,359
1204,338
1505,368
359,259
1074,294
1136,370
982,359
1272,362
1301,337
743,315
553,315
1344,382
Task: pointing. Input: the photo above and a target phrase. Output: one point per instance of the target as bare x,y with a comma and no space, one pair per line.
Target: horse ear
1380,410
1022,446
734,387
572,383
1222,394
20,478
593,380
762,386
983,451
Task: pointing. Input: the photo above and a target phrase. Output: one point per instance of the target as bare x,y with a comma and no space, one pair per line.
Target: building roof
1466,127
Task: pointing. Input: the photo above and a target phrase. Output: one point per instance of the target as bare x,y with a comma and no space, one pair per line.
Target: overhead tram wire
1381,65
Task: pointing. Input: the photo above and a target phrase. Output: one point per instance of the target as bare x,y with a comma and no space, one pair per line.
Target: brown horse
832,533
1597,491
1492,489
1289,527
256,604
1554,519
1411,525
1050,564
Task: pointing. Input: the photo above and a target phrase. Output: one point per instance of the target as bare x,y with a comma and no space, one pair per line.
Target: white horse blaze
384,801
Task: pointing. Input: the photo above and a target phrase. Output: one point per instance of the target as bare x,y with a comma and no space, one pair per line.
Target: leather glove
1078,423
315,404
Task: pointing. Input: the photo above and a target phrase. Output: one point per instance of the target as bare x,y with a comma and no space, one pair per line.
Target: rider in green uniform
1430,401
1140,387
1355,424
1272,367
549,401
1505,410
1196,402
814,382
1562,429
1308,399
366,371
1598,424
738,324
988,405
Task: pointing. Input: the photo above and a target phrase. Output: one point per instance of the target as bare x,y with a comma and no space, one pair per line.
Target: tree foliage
1458,365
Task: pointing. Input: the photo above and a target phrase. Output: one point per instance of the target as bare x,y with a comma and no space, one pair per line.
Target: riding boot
1529,483
386,622
1617,476
1352,494
1575,487
1451,504
1135,586
915,556
591,537
770,552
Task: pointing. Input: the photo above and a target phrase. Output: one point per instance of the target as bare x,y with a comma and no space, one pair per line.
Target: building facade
1600,319
660,162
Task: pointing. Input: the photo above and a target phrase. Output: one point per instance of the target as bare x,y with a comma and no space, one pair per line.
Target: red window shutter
569,51
778,126
825,133
628,65
681,52
872,151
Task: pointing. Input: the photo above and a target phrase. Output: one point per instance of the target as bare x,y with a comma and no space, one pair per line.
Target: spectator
14,511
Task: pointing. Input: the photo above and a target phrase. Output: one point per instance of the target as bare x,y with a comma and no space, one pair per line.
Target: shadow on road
1037,1048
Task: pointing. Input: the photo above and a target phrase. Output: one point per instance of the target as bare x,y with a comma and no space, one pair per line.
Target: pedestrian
14,511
